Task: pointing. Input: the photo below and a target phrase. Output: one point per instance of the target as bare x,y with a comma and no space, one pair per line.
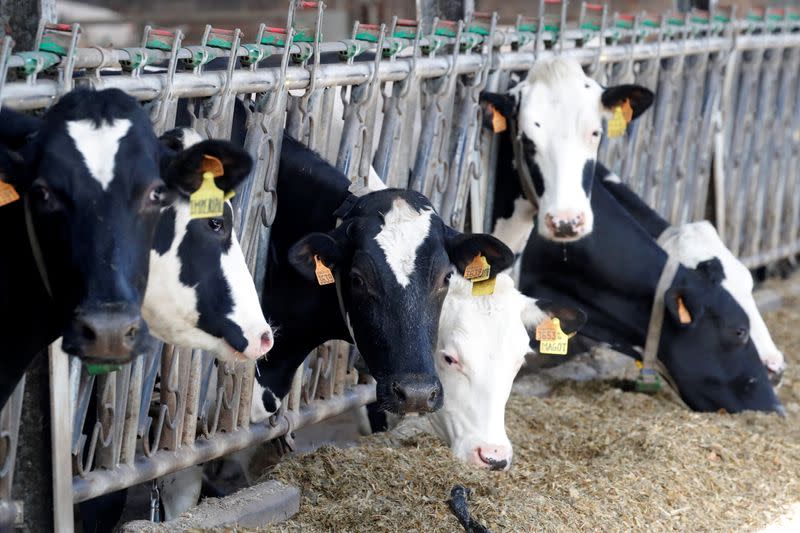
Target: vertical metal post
427,10
61,434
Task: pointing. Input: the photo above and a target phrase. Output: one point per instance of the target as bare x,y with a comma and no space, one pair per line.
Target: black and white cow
93,179
612,275
693,243
392,258
199,293
558,114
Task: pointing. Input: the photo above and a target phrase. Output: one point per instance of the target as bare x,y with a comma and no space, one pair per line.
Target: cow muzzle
492,456
106,334
413,394
566,225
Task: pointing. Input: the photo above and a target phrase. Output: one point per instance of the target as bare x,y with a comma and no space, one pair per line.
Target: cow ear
640,98
462,249
495,103
12,169
684,305
712,270
183,170
319,245
16,131
572,318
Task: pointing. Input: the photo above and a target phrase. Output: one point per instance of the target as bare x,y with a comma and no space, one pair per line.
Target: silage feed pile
587,458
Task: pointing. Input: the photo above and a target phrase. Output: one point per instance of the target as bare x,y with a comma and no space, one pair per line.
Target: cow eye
447,278
596,133
357,281
450,360
742,334
40,194
537,124
216,224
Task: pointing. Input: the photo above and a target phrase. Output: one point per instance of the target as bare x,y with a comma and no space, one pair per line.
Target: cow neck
36,250
354,192
524,174
29,321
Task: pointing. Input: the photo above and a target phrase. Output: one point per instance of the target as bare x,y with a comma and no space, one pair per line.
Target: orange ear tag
478,271
551,339
208,200
683,314
499,123
8,193
324,274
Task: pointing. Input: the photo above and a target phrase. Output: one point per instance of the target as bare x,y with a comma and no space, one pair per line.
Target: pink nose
492,456
566,224
266,342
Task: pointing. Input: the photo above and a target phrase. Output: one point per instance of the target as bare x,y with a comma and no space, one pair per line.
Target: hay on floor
588,458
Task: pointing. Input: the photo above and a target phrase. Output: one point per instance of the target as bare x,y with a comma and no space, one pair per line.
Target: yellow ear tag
623,114
483,288
208,200
551,339
8,193
683,314
617,125
324,274
499,123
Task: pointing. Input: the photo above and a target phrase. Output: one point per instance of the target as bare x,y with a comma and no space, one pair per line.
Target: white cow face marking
561,122
402,233
98,144
482,345
696,242
559,114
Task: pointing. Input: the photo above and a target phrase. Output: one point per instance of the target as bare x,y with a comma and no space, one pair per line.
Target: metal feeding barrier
722,141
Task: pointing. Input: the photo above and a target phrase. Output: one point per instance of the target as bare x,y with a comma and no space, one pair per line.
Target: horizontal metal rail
101,482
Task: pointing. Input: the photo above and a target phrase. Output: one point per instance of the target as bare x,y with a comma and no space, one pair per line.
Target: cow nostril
88,333
398,392
432,397
131,333
266,342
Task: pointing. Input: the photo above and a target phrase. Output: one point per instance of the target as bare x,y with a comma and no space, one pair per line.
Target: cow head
91,173
200,292
392,258
706,346
482,343
558,112
698,241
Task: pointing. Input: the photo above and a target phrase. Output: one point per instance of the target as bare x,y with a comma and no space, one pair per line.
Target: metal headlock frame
727,113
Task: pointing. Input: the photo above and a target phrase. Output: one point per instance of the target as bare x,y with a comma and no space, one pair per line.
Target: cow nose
266,342
420,394
104,334
493,456
566,224
775,377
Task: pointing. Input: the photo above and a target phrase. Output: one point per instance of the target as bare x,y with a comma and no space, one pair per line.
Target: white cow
483,341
